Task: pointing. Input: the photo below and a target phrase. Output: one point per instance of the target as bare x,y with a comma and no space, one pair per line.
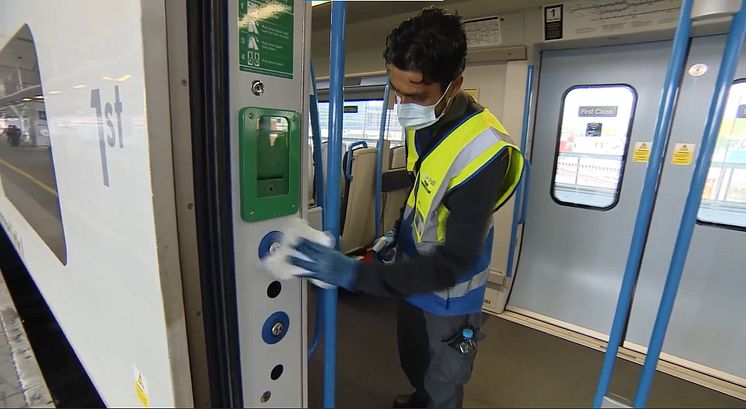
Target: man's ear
456,85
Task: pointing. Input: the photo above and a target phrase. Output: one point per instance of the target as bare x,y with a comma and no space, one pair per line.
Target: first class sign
597,111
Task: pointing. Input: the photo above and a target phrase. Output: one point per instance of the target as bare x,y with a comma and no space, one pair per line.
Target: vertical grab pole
318,180
333,168
379,162
726,73
519,197
647,199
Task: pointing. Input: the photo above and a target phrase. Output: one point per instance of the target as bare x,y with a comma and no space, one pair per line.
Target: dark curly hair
433,42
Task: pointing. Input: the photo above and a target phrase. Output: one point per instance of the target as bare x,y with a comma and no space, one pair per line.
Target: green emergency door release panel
270,142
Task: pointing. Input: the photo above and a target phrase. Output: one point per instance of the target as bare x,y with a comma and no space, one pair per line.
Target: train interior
180,224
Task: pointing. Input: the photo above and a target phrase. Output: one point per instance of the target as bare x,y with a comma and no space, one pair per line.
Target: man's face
410,88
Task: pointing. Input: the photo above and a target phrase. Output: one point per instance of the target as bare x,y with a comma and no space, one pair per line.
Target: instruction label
641,154
265,37
683,154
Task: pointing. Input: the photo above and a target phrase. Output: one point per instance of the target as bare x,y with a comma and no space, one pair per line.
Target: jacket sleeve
471,206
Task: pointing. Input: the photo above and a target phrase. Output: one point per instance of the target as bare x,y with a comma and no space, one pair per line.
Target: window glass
27,171
593,138
724,197
362,121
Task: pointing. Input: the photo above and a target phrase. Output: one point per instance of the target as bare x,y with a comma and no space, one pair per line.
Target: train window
724,197
362,121
27,173
594,129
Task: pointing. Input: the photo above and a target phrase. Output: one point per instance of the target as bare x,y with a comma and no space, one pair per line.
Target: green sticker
265,37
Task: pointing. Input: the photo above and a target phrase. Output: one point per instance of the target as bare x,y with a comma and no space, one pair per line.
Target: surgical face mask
415,117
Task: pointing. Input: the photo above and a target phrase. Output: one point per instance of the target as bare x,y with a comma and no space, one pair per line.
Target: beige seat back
357,223
398,157
393,201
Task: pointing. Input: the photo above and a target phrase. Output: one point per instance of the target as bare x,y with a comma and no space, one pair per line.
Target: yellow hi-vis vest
459,155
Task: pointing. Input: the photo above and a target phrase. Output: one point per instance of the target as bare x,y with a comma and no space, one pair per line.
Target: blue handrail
727,71
331,224
348,160
318,181
379,163
523,184
647,199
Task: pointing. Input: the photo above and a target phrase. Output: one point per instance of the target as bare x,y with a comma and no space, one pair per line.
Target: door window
724,197
594,129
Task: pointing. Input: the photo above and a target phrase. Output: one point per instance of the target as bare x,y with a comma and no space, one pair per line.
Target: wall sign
598,111
683,154
595,18
265,37
641,153
593,129
473,92
552,22
483,31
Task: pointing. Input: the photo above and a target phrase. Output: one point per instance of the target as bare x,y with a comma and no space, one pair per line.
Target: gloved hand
388,252
327,264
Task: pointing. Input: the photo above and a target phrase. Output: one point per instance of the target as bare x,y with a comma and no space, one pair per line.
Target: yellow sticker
683,154
141,389
474,92
641,153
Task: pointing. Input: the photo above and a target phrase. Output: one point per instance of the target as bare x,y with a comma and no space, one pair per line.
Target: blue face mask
415,117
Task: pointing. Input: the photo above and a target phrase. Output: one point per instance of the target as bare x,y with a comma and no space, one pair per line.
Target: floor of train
516,367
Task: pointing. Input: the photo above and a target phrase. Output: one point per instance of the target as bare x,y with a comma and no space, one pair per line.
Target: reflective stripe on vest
457,157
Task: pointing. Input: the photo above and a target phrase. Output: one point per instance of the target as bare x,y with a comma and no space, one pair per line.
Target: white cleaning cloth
277,264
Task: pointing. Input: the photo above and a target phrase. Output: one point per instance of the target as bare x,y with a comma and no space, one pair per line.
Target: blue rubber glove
327,264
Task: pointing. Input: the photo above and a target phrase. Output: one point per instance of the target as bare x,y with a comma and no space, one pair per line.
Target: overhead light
26,99
55,92
120,79
39,97
79,86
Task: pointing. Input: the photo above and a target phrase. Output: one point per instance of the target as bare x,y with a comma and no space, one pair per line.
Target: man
464,167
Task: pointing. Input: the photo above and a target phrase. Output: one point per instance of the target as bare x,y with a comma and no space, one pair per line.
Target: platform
21,382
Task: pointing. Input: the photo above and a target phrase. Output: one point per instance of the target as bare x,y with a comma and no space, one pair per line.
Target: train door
595,118
707,328
594,105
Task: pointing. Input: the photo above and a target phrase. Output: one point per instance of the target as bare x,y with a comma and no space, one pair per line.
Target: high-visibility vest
456,158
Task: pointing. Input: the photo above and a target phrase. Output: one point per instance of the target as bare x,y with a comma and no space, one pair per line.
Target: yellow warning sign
474,92
641,153
141,390
683,154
